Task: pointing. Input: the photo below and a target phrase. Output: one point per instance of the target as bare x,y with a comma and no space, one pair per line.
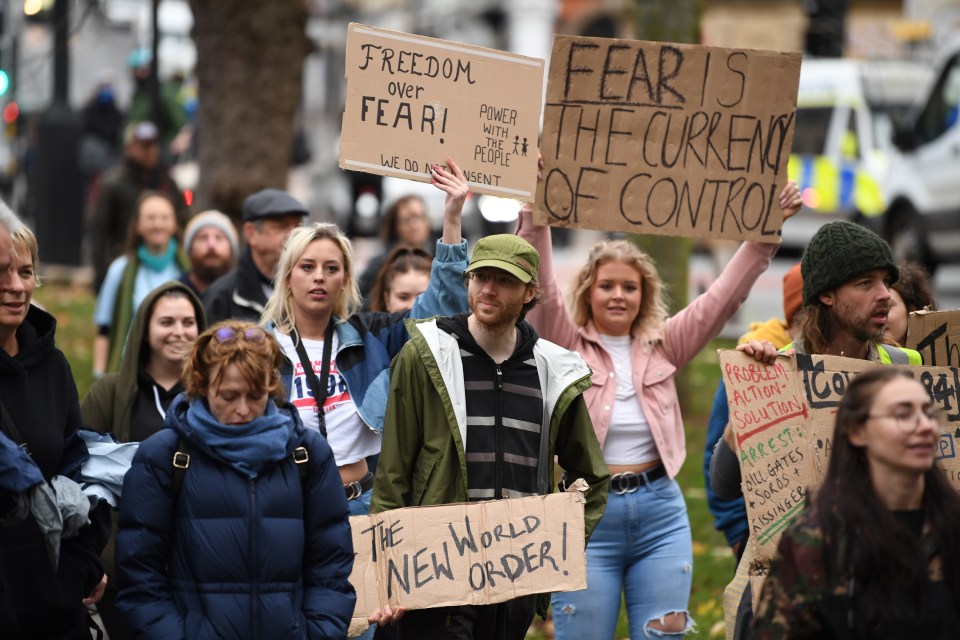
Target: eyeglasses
224,335
504,280
908,419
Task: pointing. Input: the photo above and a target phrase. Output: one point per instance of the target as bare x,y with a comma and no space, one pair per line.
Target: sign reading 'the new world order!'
413,102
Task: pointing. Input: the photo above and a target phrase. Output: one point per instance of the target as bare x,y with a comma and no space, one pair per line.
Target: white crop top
350,439
628,440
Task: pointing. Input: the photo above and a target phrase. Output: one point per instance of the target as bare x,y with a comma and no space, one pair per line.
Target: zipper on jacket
254,565
498,437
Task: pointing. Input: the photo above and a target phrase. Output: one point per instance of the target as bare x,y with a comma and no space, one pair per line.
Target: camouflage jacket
808,591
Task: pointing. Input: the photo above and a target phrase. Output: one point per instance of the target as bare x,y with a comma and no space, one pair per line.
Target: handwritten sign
474,553
413,102
936,335
668,139
783,418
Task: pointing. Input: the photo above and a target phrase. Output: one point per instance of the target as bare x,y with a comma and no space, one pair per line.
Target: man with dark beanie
847,271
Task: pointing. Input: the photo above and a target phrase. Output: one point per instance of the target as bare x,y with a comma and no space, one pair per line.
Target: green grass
713,562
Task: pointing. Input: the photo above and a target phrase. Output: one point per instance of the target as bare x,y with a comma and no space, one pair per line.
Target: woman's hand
385,616
762,350
97,592
790,200
454,184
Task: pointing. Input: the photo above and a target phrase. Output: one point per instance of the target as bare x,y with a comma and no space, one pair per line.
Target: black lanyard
319,391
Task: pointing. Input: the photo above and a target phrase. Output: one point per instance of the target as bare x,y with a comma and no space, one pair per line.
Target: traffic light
4,82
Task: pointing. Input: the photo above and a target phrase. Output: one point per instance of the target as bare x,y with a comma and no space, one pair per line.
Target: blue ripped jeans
641,547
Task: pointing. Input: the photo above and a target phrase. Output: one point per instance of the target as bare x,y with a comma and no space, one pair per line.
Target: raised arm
701,321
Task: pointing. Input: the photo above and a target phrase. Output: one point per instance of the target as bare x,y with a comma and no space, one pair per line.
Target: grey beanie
839,251
211,218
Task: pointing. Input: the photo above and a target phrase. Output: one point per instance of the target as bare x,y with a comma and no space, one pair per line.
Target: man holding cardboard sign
479,406
847,271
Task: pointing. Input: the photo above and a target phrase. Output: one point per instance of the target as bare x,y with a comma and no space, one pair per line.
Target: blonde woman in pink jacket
619,324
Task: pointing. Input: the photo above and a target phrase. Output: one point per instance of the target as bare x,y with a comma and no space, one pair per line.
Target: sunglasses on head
229,334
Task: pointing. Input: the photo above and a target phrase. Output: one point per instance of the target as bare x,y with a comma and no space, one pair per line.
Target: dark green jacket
422,459
108,405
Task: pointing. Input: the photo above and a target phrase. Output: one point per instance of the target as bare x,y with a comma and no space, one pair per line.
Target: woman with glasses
233,522
337,358
618,322
404,276
876,551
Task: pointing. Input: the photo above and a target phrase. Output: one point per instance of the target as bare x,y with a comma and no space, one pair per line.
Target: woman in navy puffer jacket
255,542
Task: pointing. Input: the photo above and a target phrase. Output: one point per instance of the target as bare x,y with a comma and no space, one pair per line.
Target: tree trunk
250,56
668,21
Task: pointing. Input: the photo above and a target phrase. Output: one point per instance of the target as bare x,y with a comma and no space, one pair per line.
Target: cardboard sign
783,418
668,139
470,553
413,102
936,335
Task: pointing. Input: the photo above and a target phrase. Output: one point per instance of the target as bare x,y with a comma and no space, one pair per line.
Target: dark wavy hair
400,260
388,231
914,287
888,567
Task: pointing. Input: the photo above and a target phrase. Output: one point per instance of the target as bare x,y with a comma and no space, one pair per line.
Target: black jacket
38,391
237,294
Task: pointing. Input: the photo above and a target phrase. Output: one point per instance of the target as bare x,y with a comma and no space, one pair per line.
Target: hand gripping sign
469,553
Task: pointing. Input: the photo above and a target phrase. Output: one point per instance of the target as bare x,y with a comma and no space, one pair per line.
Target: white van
922,221
842,145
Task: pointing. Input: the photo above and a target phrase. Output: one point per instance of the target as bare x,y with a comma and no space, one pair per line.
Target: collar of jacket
248,292
650,338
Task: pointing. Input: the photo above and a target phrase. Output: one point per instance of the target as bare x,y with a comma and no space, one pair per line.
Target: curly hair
258,360
653,304
914,287
279,308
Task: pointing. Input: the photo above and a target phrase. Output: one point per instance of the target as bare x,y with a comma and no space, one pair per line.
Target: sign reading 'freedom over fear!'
668,139
413,102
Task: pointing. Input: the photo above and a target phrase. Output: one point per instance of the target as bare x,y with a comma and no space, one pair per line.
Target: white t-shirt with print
350,439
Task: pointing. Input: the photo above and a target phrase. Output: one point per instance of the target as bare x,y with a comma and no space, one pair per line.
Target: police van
842,145
922,220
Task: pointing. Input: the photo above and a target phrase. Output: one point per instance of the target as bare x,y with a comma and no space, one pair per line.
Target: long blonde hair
653,306
279,308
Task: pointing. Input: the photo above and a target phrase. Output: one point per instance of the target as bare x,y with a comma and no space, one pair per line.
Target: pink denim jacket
655,358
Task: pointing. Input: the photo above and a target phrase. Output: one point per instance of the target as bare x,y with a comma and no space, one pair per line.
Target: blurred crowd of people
255,387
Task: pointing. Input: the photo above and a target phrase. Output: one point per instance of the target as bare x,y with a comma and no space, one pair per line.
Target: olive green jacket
422,460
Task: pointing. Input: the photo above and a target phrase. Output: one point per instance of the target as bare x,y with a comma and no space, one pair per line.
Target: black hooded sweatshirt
38,391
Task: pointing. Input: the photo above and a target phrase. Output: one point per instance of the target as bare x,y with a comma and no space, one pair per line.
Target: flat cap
272,203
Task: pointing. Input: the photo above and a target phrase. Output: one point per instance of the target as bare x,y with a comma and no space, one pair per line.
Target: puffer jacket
231,557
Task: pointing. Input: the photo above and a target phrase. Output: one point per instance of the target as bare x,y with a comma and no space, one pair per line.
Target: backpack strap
181,462
301,457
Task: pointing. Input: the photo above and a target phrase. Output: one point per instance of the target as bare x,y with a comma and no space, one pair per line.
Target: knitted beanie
211,218
839,251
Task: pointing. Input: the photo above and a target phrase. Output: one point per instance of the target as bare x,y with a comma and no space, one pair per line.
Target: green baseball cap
511,253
